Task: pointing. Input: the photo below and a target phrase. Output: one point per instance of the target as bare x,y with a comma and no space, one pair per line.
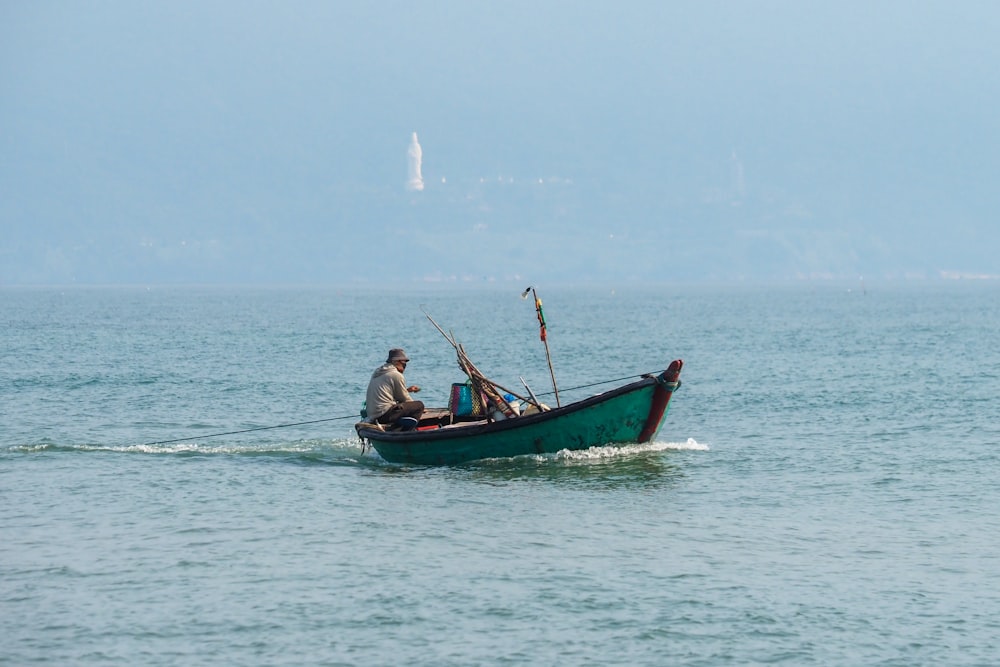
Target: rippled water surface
823,491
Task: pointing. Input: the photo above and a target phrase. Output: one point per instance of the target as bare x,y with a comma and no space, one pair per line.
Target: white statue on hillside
414,181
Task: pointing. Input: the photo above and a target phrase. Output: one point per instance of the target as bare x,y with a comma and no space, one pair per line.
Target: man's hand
414,389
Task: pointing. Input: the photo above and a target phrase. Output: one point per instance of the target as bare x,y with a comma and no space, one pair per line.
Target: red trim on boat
665,385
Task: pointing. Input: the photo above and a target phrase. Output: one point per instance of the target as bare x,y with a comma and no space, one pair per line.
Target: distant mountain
501,228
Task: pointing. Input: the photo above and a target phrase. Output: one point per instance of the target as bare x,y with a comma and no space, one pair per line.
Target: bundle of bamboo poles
481,384
484,386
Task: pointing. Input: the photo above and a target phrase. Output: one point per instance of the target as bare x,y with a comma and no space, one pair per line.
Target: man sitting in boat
388,400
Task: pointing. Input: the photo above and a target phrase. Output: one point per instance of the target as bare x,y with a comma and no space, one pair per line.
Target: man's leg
406,409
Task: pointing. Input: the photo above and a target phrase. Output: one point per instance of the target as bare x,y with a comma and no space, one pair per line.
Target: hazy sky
132,132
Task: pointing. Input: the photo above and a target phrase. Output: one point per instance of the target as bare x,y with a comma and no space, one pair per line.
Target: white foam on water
621,451
299,447
689,444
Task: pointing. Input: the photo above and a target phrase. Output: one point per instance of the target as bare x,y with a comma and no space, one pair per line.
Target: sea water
823,491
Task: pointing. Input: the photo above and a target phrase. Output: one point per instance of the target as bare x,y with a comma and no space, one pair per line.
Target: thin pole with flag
543,335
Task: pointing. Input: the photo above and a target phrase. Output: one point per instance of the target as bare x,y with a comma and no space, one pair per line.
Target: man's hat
396,354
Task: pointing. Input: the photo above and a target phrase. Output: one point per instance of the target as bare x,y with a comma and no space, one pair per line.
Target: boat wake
318,448
690,444
337,451
622,451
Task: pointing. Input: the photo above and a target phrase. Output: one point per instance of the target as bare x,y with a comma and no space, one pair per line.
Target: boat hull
629,414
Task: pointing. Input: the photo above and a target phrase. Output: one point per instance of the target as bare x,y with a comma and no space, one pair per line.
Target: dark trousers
405,409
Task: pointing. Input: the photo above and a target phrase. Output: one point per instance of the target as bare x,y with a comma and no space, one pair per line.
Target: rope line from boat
353,416
250,430
598,384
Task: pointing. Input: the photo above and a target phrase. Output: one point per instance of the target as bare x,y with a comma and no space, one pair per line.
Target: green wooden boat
628,414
